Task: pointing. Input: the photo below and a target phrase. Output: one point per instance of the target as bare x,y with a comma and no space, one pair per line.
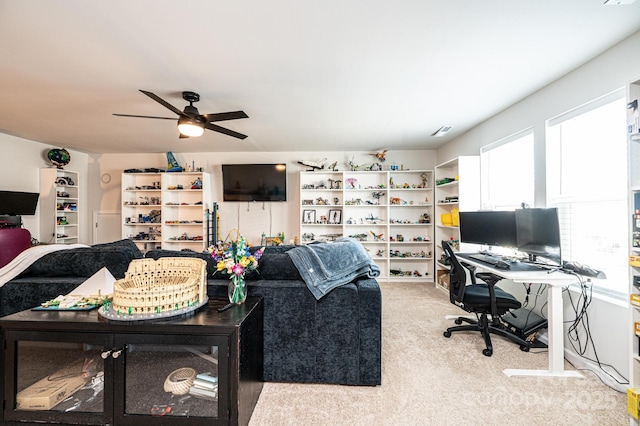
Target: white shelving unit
59,206
457,188
142,209
390,212
166,210
184,204
633,131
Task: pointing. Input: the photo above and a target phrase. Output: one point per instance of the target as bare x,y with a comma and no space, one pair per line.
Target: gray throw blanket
325,266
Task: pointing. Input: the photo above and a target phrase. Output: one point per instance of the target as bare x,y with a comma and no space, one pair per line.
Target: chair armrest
472,270
491,280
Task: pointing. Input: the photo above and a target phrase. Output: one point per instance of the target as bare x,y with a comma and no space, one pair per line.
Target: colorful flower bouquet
236,259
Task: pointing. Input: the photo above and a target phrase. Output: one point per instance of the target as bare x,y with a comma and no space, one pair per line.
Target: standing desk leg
556,340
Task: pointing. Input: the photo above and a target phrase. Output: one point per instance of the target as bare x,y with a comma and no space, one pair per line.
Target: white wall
100,182
610,71
251,218
20,171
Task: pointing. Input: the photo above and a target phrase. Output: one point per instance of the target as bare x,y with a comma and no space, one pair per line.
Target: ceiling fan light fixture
190,127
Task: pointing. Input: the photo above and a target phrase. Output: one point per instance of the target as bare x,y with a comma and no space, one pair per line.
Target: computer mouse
501,264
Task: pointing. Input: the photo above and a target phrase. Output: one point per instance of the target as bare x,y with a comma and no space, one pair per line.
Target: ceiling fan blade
181,136
228,132
222,116
145,116
163,102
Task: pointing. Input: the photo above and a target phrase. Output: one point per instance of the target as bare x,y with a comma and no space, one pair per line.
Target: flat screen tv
538,233
14,204
18,203
491,228
254,182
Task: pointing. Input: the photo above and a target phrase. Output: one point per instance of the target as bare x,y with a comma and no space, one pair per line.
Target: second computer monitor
491,228
538,232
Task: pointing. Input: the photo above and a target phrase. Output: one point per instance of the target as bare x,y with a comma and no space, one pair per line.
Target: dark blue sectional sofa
335,340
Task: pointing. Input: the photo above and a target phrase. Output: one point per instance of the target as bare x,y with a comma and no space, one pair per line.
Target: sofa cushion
13,241
277,265
127,246
27,292
273,265
86,261
159,253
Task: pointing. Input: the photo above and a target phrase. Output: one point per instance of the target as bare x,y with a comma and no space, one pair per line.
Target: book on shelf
204,393
205,384
207,377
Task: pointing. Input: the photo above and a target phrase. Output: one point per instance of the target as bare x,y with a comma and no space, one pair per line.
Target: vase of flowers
236,259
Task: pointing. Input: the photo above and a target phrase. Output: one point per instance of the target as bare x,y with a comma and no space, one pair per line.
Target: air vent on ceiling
441,131
617,2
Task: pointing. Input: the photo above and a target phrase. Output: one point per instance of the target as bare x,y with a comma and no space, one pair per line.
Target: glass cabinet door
55,377
172,376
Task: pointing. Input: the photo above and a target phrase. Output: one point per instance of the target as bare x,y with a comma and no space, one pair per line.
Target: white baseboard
581,363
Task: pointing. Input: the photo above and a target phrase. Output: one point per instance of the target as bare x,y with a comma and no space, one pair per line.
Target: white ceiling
329,75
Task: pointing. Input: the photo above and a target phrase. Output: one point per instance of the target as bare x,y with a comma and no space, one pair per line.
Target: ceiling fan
190,122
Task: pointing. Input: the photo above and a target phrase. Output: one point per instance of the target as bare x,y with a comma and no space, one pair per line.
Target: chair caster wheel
524,348
458,321
487,352
447,334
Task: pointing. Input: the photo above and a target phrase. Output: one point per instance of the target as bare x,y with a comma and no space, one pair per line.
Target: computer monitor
538,233
492,228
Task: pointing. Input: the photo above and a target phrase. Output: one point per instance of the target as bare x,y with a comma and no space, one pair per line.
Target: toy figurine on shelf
353,166
172,163
315,165
425,180
196,184
380,155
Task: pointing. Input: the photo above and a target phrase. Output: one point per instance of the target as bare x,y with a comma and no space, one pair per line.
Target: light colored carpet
428,379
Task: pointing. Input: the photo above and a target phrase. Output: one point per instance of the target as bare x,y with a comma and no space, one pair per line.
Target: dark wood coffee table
127,367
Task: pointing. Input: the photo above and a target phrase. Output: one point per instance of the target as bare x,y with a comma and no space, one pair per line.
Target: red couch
13,241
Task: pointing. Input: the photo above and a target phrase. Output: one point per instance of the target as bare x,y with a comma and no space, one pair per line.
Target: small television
254,182
491,228
538,233
14,204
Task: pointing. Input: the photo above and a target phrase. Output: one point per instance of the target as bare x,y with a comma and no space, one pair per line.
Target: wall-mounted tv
18,203
254,182
14,204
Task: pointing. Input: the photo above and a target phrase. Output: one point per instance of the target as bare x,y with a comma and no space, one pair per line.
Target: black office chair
483,299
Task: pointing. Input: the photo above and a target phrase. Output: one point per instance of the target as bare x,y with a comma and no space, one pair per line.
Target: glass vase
237,290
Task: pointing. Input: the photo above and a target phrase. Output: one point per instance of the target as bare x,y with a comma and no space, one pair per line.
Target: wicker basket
164,286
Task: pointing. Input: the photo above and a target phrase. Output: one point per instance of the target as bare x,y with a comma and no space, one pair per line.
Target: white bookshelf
389,212
60,206
457,188
166,210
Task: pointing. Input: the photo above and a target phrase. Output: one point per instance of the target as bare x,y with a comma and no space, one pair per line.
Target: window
587,181
507,172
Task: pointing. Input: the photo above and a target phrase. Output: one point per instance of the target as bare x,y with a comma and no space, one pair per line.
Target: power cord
536,295
581,323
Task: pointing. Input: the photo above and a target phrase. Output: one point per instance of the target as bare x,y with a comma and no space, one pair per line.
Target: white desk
554,281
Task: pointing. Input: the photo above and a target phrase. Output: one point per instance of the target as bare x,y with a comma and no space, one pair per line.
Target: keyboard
490,260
